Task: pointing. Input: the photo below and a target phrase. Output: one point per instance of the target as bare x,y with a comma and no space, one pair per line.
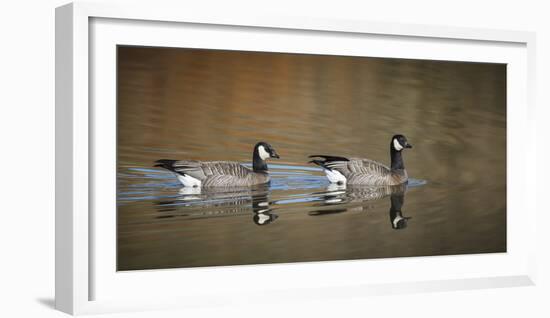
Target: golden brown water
215,105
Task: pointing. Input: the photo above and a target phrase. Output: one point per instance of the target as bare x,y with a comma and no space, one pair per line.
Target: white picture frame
86,281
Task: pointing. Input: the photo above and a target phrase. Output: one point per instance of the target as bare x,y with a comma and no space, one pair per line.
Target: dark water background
215,105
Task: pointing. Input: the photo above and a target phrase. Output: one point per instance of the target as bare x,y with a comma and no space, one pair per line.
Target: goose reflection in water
263,214
337,196
231,201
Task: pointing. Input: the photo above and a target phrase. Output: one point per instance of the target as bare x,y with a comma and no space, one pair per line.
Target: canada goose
359,171
192,173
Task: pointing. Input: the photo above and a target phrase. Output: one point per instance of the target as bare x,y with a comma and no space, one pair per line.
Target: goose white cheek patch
397,145
263,154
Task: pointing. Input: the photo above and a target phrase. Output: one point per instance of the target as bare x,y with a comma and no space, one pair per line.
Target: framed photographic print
279,157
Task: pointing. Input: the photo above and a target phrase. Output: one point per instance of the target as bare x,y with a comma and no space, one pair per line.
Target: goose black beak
408,146
275,155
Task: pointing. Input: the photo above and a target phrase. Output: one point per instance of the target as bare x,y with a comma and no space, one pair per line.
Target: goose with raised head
192,173
360,171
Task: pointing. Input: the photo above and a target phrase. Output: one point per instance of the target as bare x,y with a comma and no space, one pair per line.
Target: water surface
215,105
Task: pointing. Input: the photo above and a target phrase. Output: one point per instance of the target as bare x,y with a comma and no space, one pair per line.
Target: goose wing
361,166
350,166
202,170
356,170
226,173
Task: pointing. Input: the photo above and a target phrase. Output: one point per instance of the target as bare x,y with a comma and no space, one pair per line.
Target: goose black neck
258,164
396,159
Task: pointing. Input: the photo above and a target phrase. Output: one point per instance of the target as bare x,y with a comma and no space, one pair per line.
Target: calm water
215,105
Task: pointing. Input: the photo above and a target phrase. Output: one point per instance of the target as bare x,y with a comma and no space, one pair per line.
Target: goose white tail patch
397,145
189,181
263,154
335,176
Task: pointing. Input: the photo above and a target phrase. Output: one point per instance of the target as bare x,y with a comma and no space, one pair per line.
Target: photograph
228,157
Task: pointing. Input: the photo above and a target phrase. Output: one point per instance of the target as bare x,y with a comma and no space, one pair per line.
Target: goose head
265,151
262,152
399,142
